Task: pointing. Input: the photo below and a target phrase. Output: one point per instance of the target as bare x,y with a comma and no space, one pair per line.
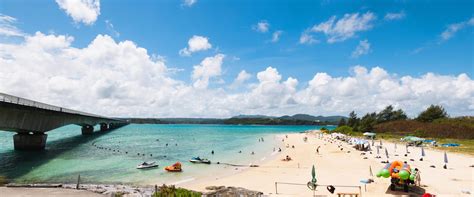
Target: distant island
297,119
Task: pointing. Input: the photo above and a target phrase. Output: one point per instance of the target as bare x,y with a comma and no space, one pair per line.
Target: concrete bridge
31,120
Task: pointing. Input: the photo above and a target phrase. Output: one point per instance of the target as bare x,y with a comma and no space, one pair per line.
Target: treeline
432,122
176,121
273,121
232,121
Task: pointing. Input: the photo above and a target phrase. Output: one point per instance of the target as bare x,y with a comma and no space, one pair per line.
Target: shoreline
347,167
335,166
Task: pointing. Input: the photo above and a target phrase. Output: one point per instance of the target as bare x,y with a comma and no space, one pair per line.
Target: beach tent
412,140
369,134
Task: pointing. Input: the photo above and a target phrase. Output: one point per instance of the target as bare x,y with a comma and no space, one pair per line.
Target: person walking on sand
418,178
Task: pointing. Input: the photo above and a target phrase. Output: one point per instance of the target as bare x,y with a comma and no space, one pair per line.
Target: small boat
199,160
174,168
146,165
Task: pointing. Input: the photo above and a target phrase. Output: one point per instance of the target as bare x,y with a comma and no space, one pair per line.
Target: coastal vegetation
297,119
433,123
172,191
3,180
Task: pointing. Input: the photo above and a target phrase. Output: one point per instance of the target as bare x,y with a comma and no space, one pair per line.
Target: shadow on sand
412,191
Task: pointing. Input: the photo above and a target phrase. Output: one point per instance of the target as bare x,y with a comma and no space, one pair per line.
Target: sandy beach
340,167
344,169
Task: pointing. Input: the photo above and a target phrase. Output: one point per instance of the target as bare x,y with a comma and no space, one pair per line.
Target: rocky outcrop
222,191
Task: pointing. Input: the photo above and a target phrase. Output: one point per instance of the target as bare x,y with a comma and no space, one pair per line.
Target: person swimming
212,152
252,153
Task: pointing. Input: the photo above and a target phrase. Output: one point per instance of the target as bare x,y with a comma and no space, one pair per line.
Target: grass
466,145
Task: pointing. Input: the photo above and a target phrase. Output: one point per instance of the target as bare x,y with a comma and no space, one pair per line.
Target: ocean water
111,157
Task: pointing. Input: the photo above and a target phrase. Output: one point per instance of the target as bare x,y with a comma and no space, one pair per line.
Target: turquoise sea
111,157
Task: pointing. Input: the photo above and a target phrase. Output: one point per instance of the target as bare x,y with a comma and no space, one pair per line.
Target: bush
344,130
456,128
172,191
3,180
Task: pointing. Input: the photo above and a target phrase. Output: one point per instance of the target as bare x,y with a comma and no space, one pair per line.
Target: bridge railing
26,102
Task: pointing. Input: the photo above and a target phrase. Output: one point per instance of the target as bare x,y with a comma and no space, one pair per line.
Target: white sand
336,167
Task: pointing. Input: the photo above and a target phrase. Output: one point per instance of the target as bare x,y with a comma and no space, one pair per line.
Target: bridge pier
87,129
104,127
27,141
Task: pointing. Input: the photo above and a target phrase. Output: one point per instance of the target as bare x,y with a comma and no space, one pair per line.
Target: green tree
385,115
433,112
399,115
353,121
342,122
388,114
368,122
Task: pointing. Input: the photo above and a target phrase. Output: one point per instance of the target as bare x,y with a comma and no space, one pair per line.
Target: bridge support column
87,130
104,127
26,141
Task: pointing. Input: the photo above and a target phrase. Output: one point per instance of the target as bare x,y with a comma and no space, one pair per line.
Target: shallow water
69,154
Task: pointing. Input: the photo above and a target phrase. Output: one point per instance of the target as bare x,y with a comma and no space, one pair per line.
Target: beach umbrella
380,142
378,150
370,171
423,152
395,147
373,142
313,173
386,153
445,161
406,148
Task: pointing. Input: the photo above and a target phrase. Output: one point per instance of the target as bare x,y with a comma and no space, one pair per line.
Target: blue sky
409,44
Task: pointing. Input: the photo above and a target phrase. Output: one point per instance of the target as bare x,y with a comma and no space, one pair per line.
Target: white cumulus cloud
189,3
337,30
195,44
307,38
262,27
242,77
123,79
276,36
362,49
209,67
81,11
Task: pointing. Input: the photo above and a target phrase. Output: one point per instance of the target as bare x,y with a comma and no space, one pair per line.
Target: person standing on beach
317,149
418,178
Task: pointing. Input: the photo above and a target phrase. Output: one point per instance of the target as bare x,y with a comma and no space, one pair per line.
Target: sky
203,58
